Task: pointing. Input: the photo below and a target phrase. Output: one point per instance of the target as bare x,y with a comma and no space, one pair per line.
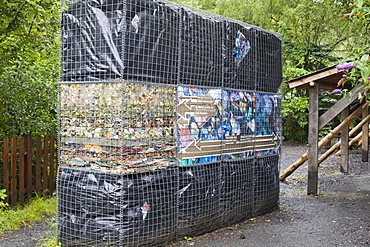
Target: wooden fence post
6,169
29,170
38,165
21,173
45,184
13,173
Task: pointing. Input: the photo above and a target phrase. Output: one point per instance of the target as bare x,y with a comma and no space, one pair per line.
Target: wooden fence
28,167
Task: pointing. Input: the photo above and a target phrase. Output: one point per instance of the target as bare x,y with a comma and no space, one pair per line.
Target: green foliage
37,209
358,71
188,238
28,102
295,116
29,66
2,197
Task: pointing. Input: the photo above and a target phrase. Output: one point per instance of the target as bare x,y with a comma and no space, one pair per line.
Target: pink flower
336,90
348,15
346,66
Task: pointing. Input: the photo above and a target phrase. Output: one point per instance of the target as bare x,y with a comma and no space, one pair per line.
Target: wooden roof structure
327,79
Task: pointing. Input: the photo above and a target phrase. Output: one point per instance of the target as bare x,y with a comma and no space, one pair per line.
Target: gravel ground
338,216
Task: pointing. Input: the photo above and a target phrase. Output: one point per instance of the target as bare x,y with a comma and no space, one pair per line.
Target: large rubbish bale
92,37
268,62
201,50
199,193
240,54
151,45
116,210
89,207
266,184
236,197
120,40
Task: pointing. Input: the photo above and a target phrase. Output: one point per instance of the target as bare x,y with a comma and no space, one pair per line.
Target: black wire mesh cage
169,122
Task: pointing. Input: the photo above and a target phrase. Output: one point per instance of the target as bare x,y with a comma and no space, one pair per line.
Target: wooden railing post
51,164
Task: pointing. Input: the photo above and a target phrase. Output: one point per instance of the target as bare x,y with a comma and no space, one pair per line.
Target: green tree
29,66
358,71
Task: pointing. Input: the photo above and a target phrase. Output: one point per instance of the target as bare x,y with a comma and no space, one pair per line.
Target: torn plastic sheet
114,209
94,34
158,42
91,42
242,47
151,42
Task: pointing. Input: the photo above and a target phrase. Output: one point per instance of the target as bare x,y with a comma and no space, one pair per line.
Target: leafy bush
28,102
29,66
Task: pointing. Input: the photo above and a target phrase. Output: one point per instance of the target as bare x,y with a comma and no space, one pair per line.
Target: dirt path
30,234
339,216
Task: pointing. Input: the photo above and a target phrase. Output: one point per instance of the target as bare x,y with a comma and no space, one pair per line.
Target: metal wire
170,122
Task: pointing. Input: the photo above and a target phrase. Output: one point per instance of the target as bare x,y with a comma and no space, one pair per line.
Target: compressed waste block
268,62
201,50
236,197
116,210
240,54
198,208
151,42
120,40
89,208
92,37
266,184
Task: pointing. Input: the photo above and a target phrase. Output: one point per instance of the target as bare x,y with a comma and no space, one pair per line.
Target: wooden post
13,173
21,173
45,172
51,165
38,164
344,138
313,134
6,169
359,140
365,138
29,173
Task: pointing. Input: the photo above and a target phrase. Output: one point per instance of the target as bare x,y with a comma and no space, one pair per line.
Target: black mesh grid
102,209
236,192
89,208
268,62
201,50
266,184
198,199
240,74
151,42
169,122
